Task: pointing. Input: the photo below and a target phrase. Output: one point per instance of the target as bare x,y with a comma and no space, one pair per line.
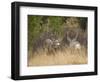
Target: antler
76,36
68,38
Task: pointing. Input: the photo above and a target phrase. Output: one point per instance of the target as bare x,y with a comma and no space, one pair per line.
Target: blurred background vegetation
56,24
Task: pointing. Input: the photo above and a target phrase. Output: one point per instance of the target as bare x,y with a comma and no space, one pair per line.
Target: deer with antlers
53,45
73,42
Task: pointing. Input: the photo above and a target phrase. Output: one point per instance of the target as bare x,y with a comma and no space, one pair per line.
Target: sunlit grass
67,56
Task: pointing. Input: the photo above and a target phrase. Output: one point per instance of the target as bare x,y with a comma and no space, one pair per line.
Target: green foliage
34,28
56,25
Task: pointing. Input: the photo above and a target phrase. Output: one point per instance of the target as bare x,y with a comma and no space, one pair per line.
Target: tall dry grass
61,57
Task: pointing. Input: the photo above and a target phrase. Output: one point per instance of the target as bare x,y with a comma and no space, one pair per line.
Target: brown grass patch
67,56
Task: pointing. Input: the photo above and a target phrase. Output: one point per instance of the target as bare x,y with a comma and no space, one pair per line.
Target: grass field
67,56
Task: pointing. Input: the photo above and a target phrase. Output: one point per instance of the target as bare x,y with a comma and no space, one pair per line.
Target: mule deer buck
52,45
73,42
